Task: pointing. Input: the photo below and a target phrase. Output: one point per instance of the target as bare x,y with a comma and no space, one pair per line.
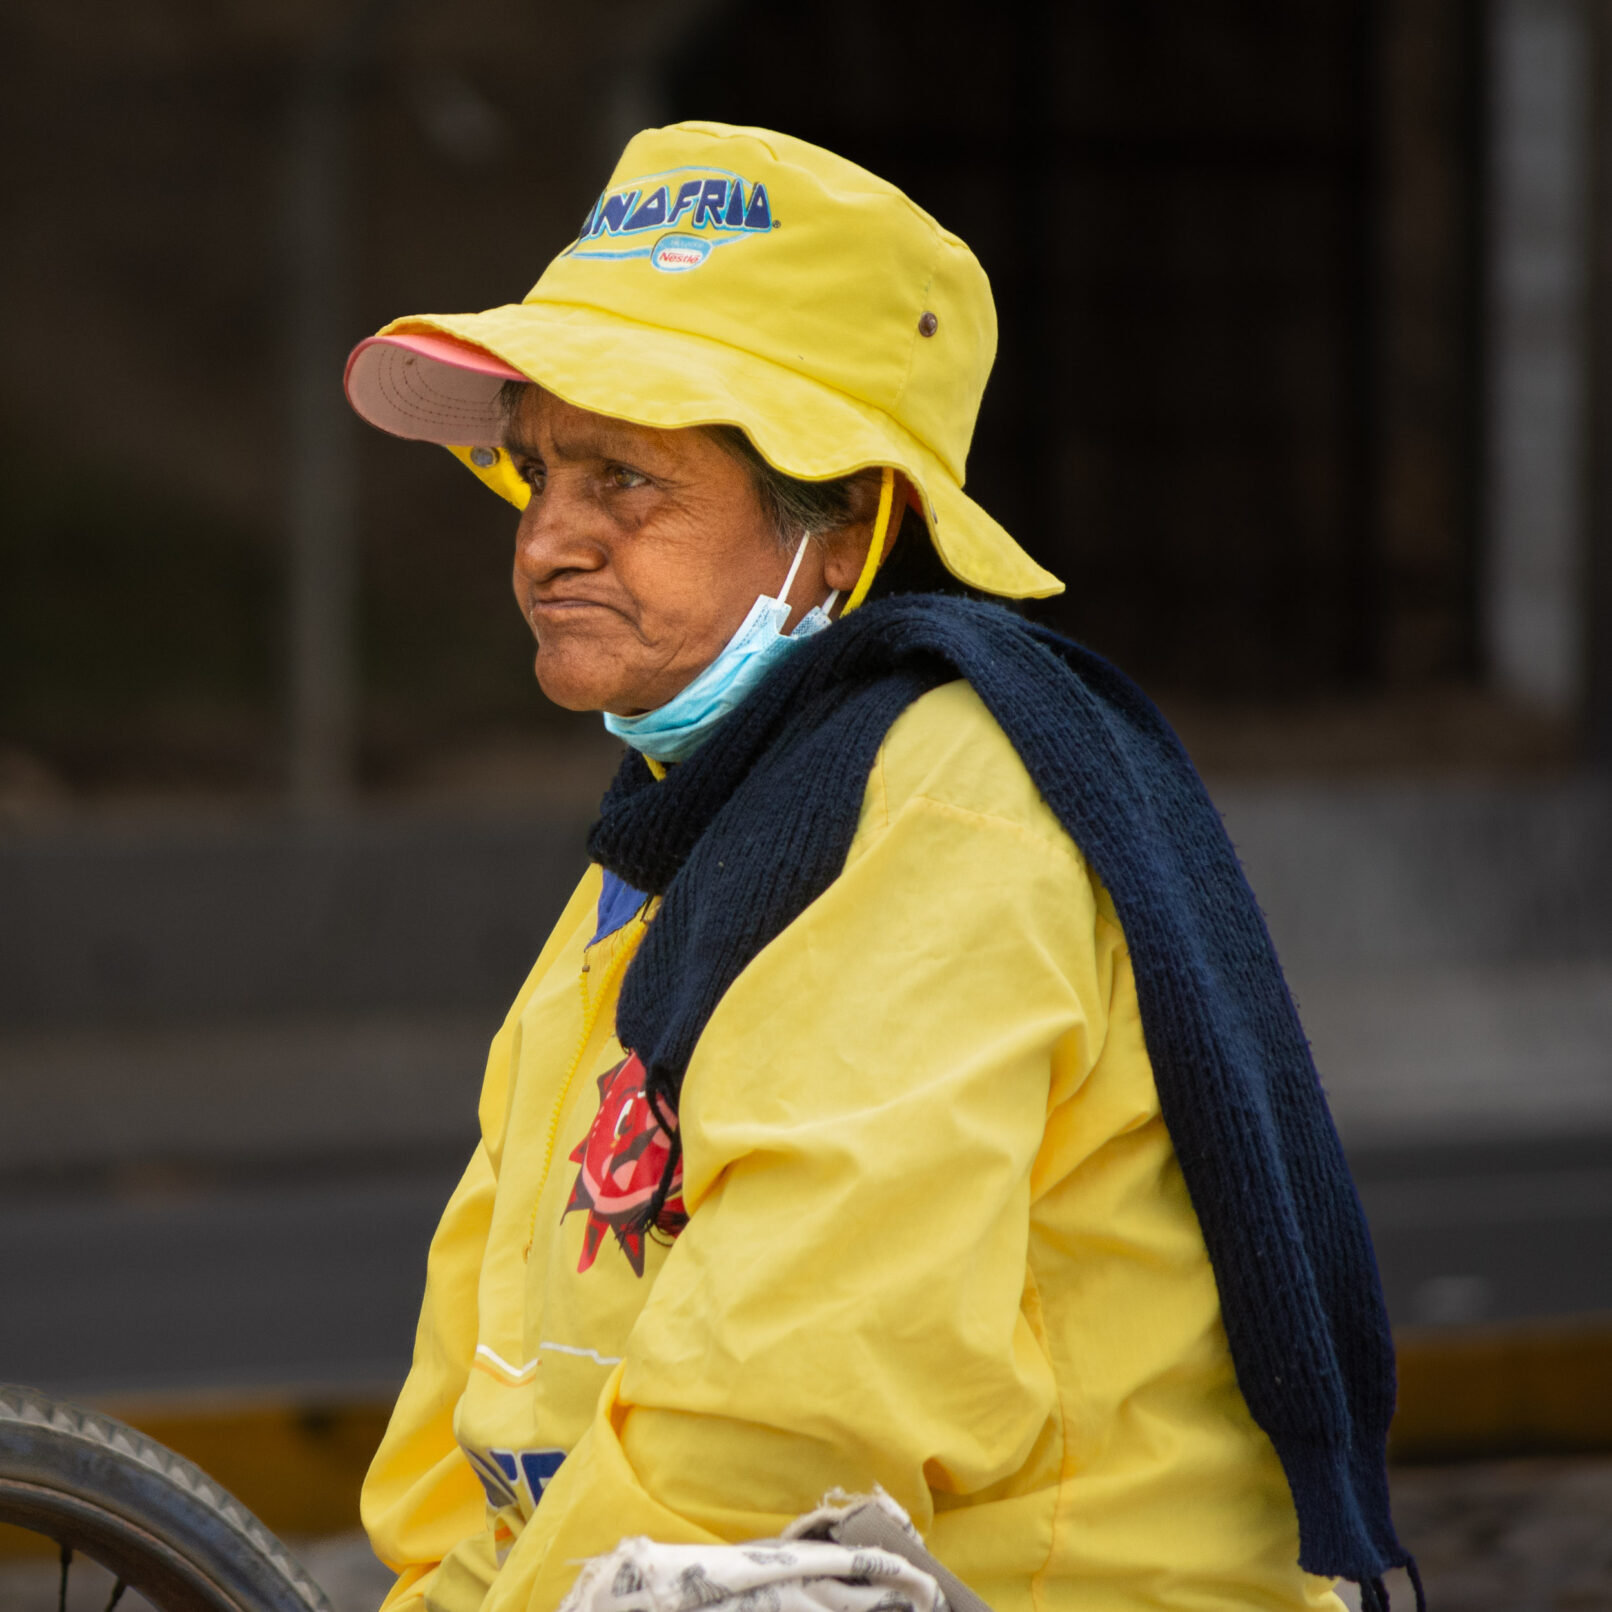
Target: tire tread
30,1407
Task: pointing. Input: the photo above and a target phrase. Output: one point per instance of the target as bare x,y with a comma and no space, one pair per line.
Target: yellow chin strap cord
881,526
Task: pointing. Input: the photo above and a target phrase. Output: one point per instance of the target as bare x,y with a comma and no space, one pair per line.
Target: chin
570,687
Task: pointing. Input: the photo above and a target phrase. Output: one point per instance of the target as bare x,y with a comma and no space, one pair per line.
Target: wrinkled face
638,556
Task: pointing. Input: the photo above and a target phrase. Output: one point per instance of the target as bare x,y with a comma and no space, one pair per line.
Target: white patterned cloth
804,1571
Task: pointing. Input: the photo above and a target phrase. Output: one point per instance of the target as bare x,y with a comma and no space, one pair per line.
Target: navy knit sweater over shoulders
743,836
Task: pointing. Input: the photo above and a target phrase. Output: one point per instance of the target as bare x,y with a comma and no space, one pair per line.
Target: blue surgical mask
675,730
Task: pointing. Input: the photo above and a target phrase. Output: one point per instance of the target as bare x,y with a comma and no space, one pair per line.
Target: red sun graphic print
621,1161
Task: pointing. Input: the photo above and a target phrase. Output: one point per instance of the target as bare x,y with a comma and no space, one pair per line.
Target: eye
533,472
624,477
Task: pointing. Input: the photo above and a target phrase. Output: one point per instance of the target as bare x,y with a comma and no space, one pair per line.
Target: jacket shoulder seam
1062,844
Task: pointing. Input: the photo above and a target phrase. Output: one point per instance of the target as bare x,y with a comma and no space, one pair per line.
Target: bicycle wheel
157,1523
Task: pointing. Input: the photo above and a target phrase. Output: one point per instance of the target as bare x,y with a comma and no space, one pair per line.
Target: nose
556,533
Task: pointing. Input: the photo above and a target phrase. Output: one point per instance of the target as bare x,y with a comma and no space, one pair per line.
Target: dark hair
798,509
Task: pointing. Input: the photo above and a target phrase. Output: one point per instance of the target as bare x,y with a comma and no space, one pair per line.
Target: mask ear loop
881,526
794,566
789,581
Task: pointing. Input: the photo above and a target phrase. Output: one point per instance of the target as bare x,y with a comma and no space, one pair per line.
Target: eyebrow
514,441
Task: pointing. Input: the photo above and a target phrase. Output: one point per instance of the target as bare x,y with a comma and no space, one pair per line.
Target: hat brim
429,388
410,381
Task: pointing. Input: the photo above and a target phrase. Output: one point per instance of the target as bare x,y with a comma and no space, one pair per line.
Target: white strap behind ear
794,566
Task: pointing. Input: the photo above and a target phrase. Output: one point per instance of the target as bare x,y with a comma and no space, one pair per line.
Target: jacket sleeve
422,1502
421,1497
848,1304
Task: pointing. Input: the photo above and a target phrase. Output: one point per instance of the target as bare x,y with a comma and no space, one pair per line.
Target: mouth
559,610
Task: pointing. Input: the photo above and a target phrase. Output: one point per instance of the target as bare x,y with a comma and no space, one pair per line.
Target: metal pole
1597,601
321,482
321,502
1539,365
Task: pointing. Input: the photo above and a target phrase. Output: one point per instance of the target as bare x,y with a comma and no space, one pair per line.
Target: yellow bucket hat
735,276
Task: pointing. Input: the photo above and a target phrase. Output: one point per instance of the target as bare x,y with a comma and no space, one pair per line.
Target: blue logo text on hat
691,211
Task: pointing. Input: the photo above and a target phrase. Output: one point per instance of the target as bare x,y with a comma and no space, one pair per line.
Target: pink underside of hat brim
428,388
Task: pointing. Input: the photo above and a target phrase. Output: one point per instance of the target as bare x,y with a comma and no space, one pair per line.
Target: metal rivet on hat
484,458
928,325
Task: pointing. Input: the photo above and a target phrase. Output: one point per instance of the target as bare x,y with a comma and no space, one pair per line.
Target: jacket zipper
626,947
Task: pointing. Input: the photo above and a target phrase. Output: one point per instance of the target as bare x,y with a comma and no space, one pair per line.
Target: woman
908,1095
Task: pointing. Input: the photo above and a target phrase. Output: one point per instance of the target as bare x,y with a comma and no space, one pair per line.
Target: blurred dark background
1304,386
1262,340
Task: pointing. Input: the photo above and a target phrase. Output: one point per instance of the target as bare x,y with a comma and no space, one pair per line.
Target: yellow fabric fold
938,1241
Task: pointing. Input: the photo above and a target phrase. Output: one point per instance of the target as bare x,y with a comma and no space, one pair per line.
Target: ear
845,550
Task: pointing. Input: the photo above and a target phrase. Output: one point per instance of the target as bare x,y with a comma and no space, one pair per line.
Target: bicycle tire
101,1489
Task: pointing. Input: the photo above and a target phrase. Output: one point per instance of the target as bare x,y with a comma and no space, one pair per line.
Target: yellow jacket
938,1240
